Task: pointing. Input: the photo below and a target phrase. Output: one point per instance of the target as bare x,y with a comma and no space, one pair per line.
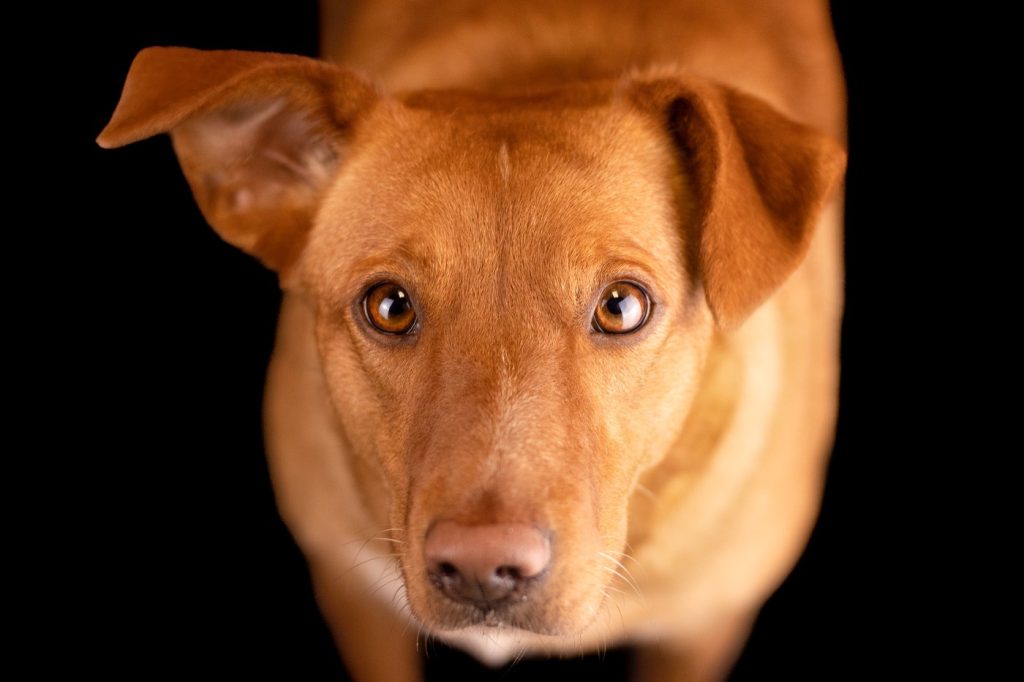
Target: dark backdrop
189,567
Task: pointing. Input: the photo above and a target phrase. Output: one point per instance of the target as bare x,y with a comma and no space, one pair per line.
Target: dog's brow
625,254
402,257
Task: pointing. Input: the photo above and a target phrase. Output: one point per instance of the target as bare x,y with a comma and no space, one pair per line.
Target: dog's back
783,52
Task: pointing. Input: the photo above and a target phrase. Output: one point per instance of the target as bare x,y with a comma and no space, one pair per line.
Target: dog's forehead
536,186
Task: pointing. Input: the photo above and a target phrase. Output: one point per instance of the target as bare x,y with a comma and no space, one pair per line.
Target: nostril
509,573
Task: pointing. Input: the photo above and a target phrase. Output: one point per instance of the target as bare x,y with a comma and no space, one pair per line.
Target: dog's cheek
667,388
579,584
369,418
642,407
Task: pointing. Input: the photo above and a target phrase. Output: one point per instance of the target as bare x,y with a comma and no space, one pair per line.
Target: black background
179,551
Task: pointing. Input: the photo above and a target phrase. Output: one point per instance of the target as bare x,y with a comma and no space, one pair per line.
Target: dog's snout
485,564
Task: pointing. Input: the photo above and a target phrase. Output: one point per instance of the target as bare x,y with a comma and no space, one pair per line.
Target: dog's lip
492,620
501,614
508,620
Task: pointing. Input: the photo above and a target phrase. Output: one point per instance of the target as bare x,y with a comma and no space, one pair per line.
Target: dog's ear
760,179
258,136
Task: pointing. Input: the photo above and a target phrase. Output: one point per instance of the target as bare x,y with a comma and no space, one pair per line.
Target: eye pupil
388,308
623,308
614,303
393,305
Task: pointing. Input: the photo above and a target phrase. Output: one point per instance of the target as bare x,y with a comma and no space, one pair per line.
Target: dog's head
513,296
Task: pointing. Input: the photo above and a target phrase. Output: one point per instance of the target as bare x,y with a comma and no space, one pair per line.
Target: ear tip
148,57
121,129
116,134
104,140
162,51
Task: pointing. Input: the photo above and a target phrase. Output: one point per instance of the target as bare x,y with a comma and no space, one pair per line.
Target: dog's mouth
517,610
491,617
494,618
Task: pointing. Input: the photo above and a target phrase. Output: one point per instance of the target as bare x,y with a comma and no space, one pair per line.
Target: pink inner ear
257,169
242,200
256,154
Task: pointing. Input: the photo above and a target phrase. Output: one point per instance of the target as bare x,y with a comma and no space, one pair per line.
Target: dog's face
513,296
502,399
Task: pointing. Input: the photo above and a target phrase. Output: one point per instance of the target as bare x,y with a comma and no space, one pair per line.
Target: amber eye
388,307
622,309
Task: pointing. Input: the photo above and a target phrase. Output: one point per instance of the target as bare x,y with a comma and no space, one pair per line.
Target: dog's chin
539,616
497,620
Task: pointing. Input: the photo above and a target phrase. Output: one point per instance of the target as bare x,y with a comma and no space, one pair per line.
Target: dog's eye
622,309
389,309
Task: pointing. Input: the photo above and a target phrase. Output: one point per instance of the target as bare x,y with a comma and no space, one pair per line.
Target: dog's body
699,527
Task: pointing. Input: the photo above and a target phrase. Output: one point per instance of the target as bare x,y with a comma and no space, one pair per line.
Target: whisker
621,576
612,588
627,556
392,581
391,530
368,560
648,493
632,578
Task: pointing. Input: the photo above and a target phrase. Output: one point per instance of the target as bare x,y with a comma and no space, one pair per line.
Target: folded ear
258,136
760,180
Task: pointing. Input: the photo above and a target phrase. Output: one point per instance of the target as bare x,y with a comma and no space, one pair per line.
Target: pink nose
485,564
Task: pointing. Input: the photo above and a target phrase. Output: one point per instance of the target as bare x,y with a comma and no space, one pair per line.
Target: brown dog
557,359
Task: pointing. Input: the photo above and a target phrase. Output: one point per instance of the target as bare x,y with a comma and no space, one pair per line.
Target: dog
557,360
